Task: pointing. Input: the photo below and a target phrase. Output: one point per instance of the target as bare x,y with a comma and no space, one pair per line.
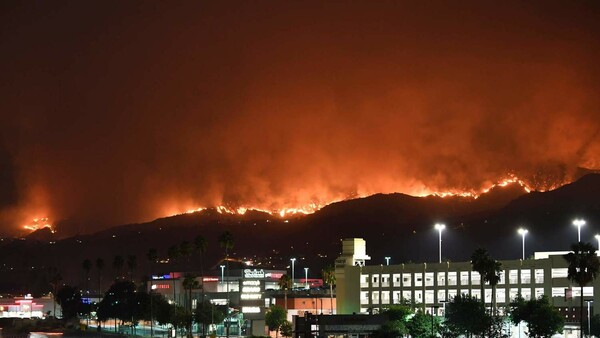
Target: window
396,279
488,295
385,297
375,280
526,293
385,280
476,293
525,276
429,279
396,297
441,278
475,278
539,276
560,273
452,278
429,296
500,296
364,297
502,279
513,277
513,293
407,296
452,294
375,297
558,292
406,279
441,296
419,296
364,281
539,292
464,278
418,279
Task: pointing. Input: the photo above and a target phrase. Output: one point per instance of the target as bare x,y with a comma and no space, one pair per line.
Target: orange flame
39,223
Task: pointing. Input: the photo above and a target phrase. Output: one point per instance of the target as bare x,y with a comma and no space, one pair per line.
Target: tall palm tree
131,264
200,246
480,260
174,254
99,267
186,249
86,265
584,267
285,284
55,280
492,276
189,283
226,242
328,274
118,263
152,256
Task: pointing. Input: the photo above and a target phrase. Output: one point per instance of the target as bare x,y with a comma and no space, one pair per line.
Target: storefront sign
248,273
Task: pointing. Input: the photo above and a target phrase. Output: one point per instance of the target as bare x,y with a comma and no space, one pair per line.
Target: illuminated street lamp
439,227
598,239
523,232
293,260
578,223
222,273
306,277
387,260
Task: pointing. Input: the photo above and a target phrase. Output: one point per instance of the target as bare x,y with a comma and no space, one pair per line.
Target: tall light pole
387,260
293,260
598,239
439,227
306,277
578,223
588,315
523,232
222,273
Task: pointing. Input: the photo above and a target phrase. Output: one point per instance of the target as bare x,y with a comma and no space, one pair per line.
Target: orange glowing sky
120,112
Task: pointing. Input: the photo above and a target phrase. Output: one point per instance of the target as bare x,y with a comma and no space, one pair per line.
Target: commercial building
365,288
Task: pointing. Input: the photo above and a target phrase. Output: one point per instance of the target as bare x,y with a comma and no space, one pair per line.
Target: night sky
123,111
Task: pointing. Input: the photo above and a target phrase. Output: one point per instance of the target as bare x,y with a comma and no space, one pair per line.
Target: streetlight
578,223
598,238
588,315
387,260
306,277
222,273
523,232
293,260
439,227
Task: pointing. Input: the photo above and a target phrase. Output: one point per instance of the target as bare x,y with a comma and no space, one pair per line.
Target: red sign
210,279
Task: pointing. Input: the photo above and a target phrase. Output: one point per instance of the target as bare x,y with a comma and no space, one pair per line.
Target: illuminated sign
250,309
210,279
274,275
251,282
251,289
254,273
250,296
160,286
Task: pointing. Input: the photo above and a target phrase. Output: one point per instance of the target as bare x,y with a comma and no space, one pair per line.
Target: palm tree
285,283
99,267
189,283
584,267
152,256
480,261
186,249
492,276
328,274
118,265
86,265
174,254
226,242
131,264
55,280
200,246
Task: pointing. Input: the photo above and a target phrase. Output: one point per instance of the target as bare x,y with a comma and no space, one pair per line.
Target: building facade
365,288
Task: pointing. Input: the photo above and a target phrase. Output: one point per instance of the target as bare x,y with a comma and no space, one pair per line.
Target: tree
328,274
131,265
55,281
584,267
227,243
69,299
99,267
285,283
86,265
209,313
174,253
200,246
466,315
423,325
543,320
118,263
189,283
396,325
152,256
287,330
594,326
489,271
275,317
122,301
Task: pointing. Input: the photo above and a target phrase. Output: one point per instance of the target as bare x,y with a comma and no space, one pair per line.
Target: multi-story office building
365,288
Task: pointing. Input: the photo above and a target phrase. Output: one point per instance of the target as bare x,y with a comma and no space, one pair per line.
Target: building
365,288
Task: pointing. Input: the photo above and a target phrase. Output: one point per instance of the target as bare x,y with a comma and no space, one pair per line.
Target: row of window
452,278
428,296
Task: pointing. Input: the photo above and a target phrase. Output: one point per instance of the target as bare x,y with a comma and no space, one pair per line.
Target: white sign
254,273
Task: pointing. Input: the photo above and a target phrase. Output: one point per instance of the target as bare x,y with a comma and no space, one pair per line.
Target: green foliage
161,309
122,301
466,315
584,265
423,325
328,274
208,313
543,320
285,282
287,330
594,325
275,317
391,329
69,299
398,312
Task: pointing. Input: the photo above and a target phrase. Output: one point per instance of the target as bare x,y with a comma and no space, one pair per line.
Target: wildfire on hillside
39,223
